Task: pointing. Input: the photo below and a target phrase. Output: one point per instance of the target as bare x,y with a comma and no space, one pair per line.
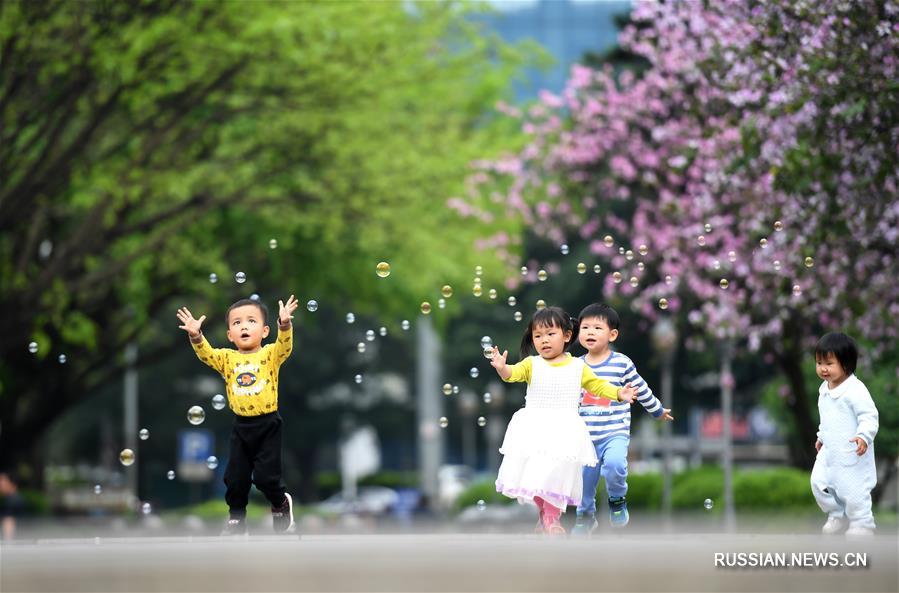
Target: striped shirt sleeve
644,394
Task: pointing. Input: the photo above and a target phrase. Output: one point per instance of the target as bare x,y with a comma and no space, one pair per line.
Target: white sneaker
834,525
858,530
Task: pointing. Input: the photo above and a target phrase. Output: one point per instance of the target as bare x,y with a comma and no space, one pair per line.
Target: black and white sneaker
235,527
282,517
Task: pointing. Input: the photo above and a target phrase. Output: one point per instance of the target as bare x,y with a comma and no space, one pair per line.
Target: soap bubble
405,325
732,256
641,266
707,228
62,359
634,281
126,457
541,304
809,262
447,389
708,504
98,489
446,291
492,293
476,290
218,401
512,301
517,316
487,397
608,240
481,505
426,308
312,305
360,347
441,303
668,279
629,255
370,335
240,277
542,275
455,390
383,269
486,341
146,508
597,269
273,244
524,270
776,265
482,422
778,225
382,331
443,422
213,278
564,249
143,434
478,270
663,303
32,347
488,352
170,474
701,240
616,276
196,415
763,242
581,268
358,379
254,297
350,318
723,283
473,372
797,290
212,462
643,249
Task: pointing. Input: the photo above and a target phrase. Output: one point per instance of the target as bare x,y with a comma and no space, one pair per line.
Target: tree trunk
802,445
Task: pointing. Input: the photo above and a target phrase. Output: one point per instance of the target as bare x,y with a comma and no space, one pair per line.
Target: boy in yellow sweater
251,381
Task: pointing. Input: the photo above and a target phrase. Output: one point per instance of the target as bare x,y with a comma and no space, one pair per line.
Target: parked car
369,500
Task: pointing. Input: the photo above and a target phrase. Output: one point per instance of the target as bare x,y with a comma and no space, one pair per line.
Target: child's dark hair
243,303
843,348
548,317
601,310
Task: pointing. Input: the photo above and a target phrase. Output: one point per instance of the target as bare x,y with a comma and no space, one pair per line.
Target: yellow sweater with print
251,380
521,373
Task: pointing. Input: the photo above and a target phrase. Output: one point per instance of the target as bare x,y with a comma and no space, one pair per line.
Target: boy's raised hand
666,415
188,323
285,310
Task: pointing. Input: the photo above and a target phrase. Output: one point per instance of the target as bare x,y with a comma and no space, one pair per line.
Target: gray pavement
620,561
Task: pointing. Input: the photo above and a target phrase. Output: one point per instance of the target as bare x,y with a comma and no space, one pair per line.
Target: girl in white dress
547,443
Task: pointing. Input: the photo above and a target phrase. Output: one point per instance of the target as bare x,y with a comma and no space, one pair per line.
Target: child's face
595,334
246,329
550,340
829,368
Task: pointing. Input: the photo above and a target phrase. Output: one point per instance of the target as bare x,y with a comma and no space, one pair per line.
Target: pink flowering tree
745,182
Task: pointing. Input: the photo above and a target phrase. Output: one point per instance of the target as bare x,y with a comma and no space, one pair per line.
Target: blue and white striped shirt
603,421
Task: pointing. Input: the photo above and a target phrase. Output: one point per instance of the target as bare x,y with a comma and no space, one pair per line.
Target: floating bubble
564,249
621,251
382,331
776,265
146,508
476,281
213,278
641,266
723,283
542,275
350,318
597,269
481,505
608,240
512,301
701,240
441,303
809,262
707,228
524,270
797,290
455,390
272,243
517,316
482,421
240,277
486,341
446,291
616,276
716,265
778,225
488,352
732,256
358,379
581,268
763,242
473,372
447,389
405,325
383,269
312,306
541,304
212,462
668,279
218,402
98,489
425,308
478,270
360,347
492,293
663,303
708,504
634,281
126,457
32,346
629,255
443,422
488,398
170,474
143,434
476,290
196,415
643,249
62,359
254,297
370,335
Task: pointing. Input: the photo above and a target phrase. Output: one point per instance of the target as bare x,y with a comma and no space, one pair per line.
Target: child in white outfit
844,471
547,443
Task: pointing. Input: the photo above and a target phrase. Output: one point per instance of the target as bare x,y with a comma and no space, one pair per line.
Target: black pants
255,459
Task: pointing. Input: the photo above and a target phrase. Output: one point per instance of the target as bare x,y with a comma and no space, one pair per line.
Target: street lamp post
664,340
727,452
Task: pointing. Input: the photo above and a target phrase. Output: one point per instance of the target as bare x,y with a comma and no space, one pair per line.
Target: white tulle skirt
544,454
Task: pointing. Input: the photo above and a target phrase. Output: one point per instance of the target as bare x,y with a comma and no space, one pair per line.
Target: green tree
146,144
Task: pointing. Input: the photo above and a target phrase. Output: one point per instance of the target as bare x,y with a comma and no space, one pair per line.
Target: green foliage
779,488
485,490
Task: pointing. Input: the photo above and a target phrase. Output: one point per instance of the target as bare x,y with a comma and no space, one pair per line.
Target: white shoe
834,525
858,530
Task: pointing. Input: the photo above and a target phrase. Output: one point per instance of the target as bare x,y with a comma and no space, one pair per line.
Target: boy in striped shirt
609,422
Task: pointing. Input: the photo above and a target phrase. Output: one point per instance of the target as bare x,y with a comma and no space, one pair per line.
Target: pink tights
549,514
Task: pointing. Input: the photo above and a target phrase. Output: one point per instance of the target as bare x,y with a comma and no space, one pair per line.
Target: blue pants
612,455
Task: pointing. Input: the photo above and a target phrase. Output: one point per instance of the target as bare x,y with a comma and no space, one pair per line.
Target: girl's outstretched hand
285,310
627,394
498,361
188,323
